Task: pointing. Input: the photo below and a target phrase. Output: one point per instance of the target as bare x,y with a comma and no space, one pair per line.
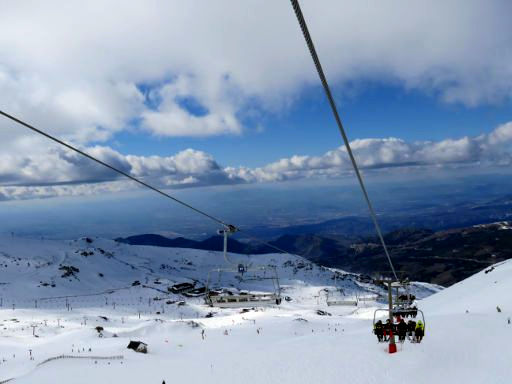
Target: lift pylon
389,283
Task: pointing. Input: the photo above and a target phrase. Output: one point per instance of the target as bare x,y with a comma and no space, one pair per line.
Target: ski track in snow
467,340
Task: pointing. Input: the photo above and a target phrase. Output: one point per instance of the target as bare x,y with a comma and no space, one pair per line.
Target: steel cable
137,180
323,79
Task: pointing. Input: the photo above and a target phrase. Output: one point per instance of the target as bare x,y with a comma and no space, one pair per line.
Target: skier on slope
378,329
419,332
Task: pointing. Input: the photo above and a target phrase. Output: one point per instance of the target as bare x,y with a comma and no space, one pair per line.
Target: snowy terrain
467,339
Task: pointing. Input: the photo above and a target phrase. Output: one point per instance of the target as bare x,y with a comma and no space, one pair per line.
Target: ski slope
467,339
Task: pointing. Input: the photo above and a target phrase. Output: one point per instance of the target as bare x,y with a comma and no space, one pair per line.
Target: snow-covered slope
286,344
35,269
479,295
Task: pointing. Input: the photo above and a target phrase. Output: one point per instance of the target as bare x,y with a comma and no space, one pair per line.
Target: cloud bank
60,172
88,70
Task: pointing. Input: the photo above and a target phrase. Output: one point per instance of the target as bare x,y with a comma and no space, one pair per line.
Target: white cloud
87,70
73,67
501,135
493,149
59,172
172,119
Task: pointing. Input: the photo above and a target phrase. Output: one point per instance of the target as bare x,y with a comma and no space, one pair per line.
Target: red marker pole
392,345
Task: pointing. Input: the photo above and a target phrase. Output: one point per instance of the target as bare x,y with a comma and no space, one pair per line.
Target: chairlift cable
133,178
323,79
270,245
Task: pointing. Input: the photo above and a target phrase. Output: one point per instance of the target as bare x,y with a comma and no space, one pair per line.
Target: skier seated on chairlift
406,313
409,312
388,327
411,326
402,330
378,329
419,332
407,298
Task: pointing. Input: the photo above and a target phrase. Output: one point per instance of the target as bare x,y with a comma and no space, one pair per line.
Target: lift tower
390,283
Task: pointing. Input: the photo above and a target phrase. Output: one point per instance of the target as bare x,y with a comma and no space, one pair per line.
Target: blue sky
370,110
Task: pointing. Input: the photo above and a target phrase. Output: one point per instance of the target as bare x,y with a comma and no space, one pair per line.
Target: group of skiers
414,330
409,298
407,312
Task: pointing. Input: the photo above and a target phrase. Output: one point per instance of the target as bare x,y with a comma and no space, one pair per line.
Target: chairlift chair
337,297
332,300
405,299
404,302
367,298
224,298
420,312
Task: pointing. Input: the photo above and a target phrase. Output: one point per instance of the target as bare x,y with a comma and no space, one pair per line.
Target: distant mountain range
443,257
440,257
418,215
214,243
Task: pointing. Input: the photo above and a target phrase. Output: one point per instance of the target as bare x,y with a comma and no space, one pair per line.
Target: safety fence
118,357
107,298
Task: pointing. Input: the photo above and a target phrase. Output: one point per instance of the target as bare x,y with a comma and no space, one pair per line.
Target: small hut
138,346
181,288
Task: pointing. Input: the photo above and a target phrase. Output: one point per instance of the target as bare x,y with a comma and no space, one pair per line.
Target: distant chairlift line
337,296
224,298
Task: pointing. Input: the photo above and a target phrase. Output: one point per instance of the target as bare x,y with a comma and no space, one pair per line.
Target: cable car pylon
389,283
